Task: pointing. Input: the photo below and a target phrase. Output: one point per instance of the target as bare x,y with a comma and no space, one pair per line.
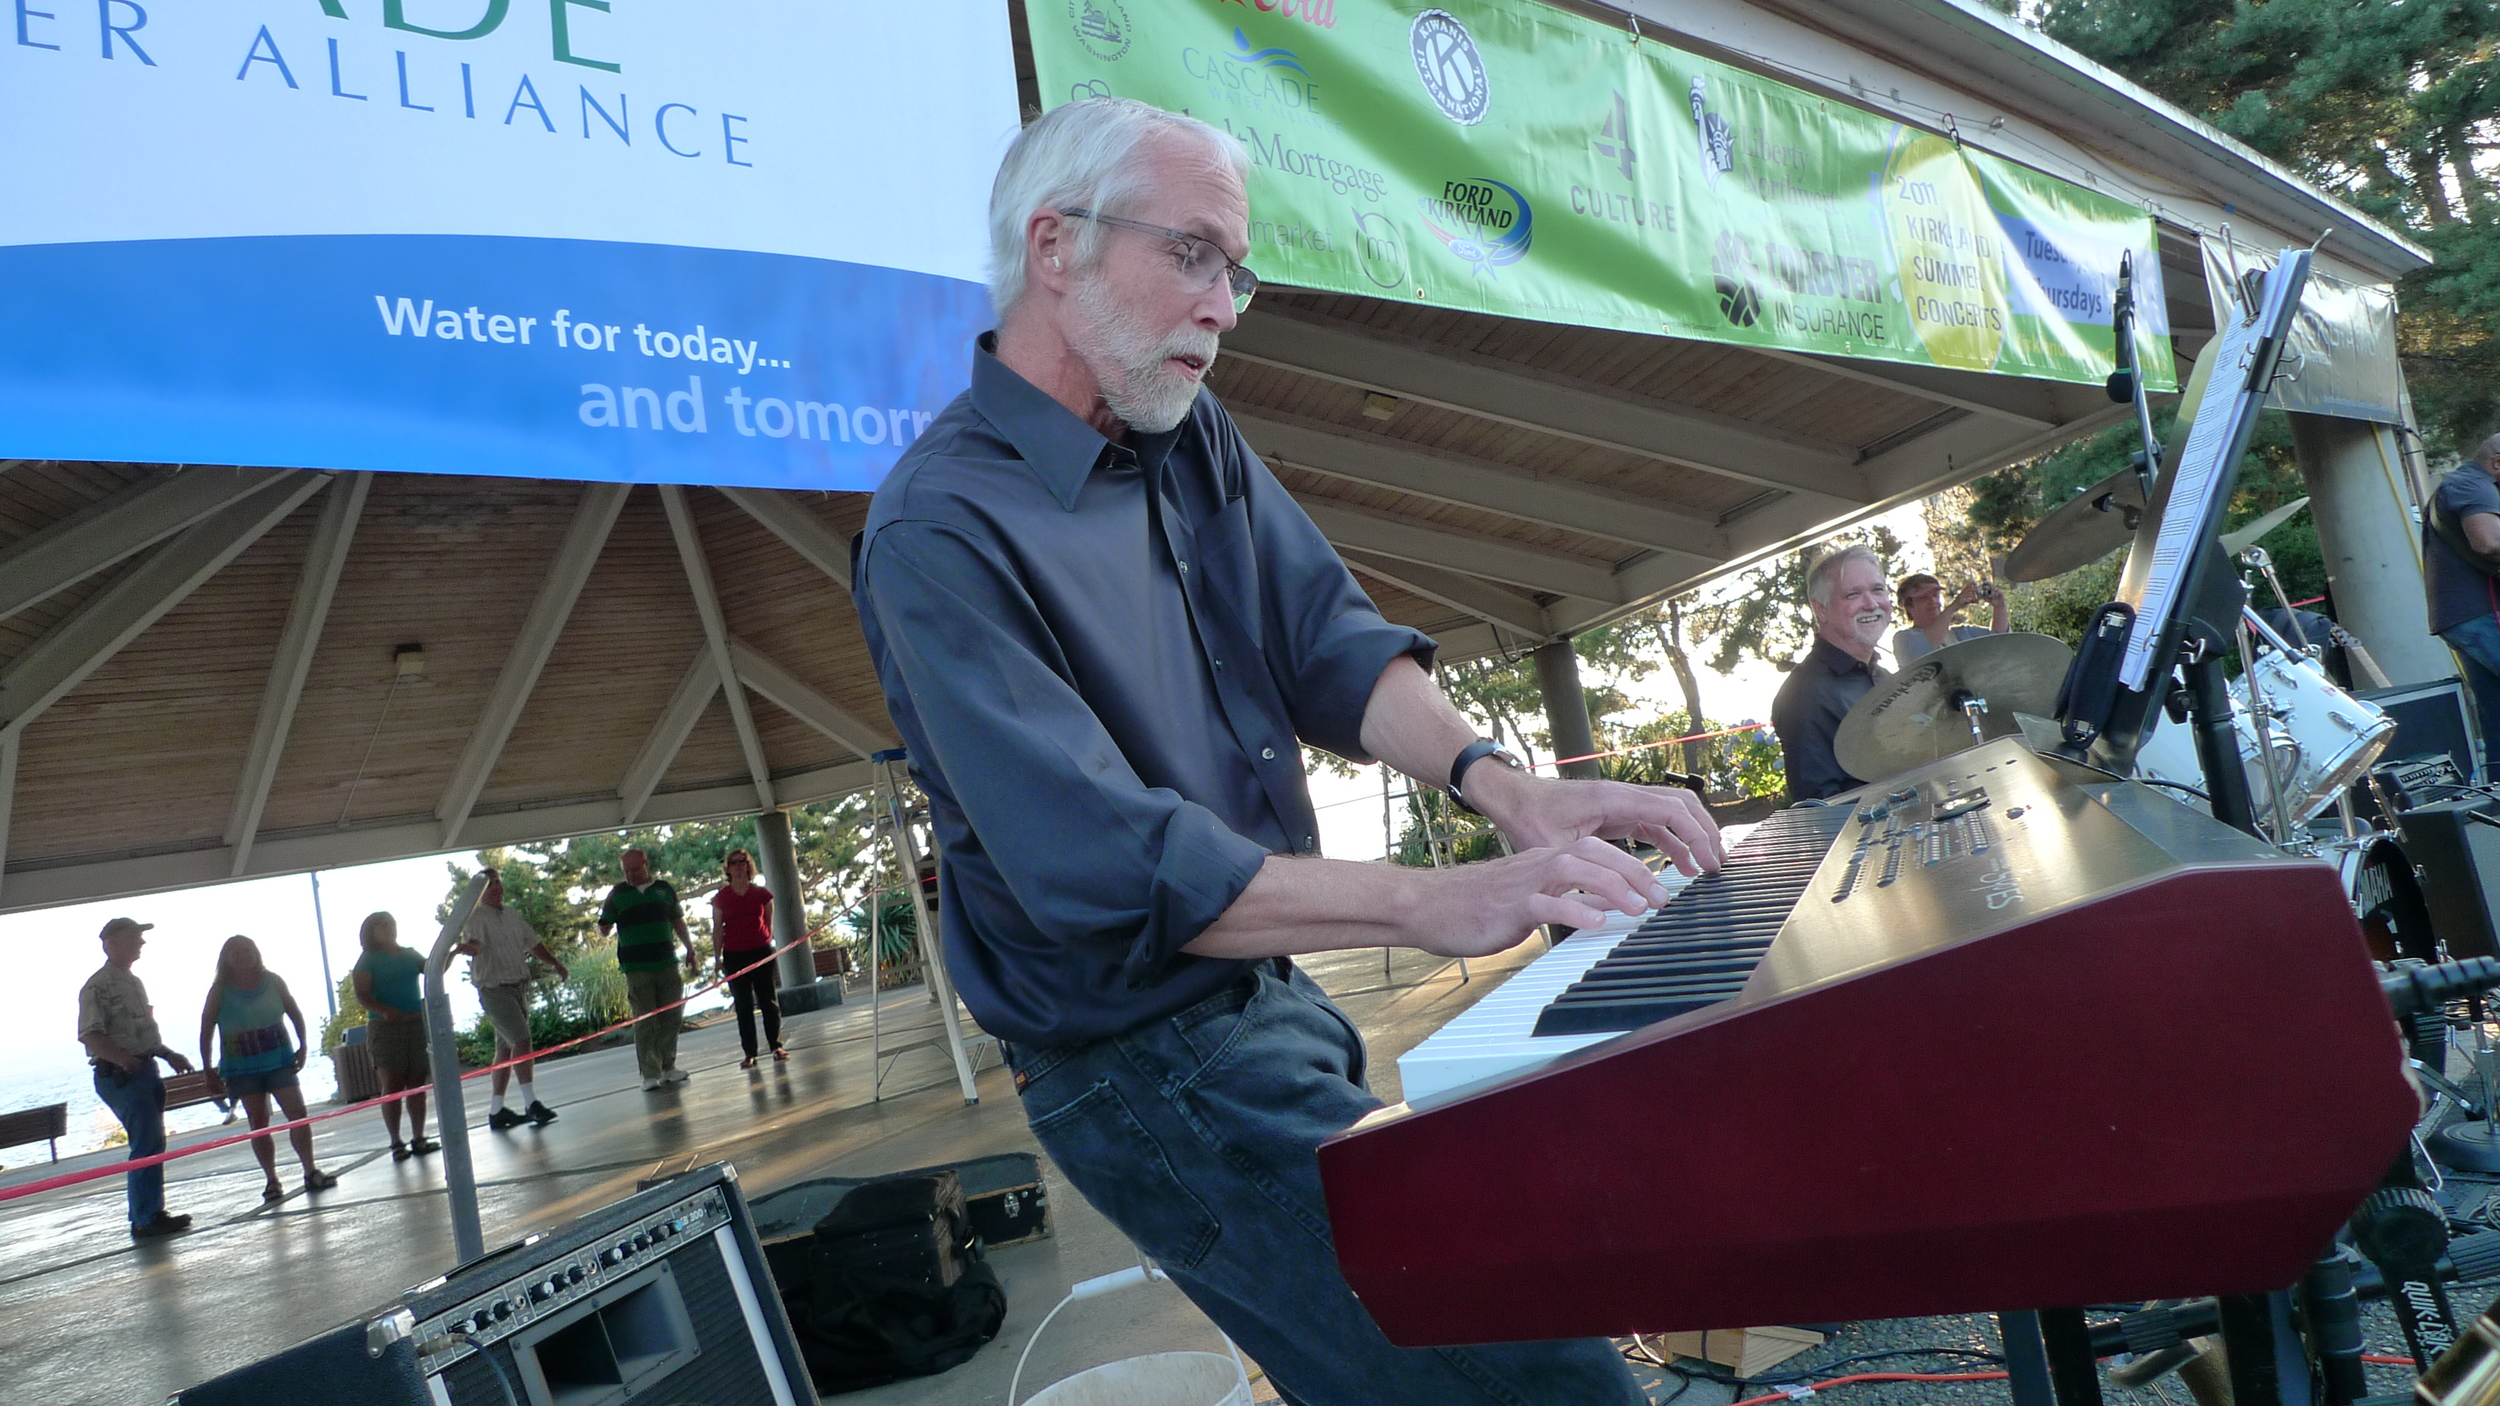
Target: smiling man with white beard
1104,631
1852,609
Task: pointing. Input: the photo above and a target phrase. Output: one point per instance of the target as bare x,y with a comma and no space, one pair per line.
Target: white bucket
1159,1379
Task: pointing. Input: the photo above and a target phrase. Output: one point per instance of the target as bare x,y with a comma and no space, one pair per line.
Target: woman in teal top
386,986
249,1008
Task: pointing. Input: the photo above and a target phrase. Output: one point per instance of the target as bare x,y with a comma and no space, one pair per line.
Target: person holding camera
1931,617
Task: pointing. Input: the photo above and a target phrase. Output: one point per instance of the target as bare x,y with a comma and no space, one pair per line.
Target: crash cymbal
2088,527
1913,717
2234,543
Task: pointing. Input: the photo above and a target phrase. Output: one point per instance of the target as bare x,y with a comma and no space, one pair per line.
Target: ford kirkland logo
1451,69
1481,222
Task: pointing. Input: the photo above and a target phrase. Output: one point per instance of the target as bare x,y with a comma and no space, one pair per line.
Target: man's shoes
421,1147
675,1075
649,1084
541,1114
504,1119
159,1226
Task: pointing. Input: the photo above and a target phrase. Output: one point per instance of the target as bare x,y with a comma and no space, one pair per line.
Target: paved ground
87,1317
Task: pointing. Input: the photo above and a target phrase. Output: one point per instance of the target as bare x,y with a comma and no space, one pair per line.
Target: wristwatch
1468,756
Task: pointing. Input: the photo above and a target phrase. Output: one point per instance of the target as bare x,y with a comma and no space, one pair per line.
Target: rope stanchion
121,1168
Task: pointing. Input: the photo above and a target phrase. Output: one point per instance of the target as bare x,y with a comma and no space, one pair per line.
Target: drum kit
2304,741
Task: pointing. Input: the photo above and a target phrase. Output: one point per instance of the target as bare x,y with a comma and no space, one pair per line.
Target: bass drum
2385,897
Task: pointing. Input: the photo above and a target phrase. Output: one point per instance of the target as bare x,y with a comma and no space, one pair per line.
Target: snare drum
2324,739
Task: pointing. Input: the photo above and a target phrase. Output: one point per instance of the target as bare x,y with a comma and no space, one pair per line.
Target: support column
1566,708
799,990
2372,542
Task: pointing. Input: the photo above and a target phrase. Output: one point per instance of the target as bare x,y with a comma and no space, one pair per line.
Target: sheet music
2191,509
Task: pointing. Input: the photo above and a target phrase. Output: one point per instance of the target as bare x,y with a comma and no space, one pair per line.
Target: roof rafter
118,527
298,639
1469,555
121,612
792,694
668,734
1515,611
1492,389
1394,464
715,633
802,531
540,629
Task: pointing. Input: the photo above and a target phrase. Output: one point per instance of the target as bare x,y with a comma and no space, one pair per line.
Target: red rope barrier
56,1182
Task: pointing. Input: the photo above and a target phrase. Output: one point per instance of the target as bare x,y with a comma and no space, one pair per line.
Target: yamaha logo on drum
1451,69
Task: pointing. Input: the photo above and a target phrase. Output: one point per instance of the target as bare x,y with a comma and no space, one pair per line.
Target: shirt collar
1840,661
1059,448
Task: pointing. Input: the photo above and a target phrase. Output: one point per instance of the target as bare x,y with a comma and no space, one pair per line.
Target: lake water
67,1078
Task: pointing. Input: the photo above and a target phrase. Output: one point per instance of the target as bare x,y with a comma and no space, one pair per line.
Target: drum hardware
2471,1145
1923,712
2265,734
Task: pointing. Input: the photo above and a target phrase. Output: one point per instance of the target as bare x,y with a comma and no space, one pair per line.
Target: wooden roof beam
298,639
566,575
2014,400
788,692
668,734
118,527
802,531
121,612
1382,462
1515,611
716,634
1505,392
1473,556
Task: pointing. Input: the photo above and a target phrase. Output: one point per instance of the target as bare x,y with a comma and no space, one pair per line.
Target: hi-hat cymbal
1913,717
2088,527
2234,543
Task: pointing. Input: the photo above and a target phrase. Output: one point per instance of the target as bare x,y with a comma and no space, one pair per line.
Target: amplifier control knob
610,1256
502,1311
576,1274
538,1293
642,1242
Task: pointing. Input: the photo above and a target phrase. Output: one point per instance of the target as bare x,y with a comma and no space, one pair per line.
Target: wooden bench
50,1123
183,1090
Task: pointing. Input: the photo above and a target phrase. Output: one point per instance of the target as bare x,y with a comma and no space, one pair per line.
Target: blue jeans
2477,643
1195,1135
138,1100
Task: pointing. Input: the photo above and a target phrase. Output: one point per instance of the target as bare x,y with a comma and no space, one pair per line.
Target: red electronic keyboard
2030,1037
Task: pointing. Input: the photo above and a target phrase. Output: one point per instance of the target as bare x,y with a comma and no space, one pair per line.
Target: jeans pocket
1119,1167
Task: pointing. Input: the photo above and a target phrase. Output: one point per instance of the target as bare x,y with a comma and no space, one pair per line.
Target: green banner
1499,156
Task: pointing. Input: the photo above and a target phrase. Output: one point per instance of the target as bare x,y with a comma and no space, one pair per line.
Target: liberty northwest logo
1493,223
1101,26
1451,69
1715,133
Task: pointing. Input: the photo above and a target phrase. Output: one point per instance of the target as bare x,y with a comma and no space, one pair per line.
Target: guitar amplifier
2454,845
664,1292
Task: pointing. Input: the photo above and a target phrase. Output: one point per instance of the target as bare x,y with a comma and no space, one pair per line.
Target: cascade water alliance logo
1451,69
1482,222
1101,26
1247,56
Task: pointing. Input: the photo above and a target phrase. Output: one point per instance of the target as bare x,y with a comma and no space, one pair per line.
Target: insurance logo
1101,26
1450,67
1482,222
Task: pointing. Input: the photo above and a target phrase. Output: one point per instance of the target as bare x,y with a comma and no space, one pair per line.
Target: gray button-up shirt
1102,658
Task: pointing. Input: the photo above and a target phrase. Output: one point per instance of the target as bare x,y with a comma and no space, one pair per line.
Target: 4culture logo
1450,67
1101,26
1482,222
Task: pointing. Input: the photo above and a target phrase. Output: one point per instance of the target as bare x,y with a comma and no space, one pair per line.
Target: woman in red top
742,935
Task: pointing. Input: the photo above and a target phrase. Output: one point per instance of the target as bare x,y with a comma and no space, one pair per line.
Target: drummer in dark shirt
2460,561
1852,608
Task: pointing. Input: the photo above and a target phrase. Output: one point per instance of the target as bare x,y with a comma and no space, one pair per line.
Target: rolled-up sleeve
1093,856
1326,641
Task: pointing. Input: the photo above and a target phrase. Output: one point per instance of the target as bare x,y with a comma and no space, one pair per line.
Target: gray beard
1128,359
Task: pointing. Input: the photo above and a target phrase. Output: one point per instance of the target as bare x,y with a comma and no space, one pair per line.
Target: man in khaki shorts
499,944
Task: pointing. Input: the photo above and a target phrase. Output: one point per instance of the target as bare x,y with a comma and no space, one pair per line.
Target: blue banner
736,242
544,358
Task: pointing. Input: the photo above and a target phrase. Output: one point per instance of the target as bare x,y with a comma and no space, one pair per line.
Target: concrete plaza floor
86,1316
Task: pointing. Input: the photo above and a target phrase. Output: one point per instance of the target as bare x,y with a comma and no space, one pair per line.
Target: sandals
273,1193
747,1063
318,1180
421,1147
779,1053
400,1152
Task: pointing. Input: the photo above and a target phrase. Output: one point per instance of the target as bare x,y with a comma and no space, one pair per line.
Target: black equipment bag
895,1286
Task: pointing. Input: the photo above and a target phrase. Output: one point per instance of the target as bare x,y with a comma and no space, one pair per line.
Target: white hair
1819,576
1079,156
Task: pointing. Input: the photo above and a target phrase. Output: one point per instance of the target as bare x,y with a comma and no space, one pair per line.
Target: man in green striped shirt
643,912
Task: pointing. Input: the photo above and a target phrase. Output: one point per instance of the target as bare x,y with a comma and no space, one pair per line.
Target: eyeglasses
1201,262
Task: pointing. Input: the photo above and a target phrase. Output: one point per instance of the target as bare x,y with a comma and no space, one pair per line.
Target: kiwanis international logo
1482,222
1451,69
1101,26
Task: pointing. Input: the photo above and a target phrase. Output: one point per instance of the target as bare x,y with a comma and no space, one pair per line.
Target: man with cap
118,1027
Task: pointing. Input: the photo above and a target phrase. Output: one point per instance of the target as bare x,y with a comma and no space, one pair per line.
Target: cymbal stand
2263,718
